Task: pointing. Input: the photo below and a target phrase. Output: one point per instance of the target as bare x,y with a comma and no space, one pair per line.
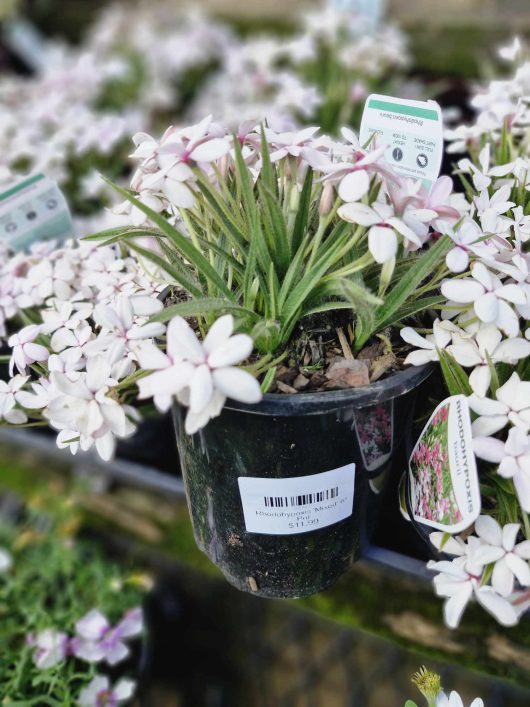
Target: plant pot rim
284,405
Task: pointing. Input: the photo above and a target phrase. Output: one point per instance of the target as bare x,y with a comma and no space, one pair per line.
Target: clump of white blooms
85,102
485,328
91,337
77,320
90,307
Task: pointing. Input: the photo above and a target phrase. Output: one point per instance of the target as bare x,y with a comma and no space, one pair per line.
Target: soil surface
320,355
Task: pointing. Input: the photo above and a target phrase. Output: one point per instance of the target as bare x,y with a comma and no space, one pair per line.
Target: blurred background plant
51,578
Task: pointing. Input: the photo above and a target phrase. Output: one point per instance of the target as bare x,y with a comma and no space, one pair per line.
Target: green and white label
34,209
412,132
443,478
298,504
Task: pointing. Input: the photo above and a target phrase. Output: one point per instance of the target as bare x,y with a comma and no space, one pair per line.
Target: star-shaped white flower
473,351
499,547
429,345
383,227
513,458
488,296
201,376
512,404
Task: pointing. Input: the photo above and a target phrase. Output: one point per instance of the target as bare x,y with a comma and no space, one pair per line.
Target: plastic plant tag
444,488
369,11
34,209
412,132
374,428
23,38
298,504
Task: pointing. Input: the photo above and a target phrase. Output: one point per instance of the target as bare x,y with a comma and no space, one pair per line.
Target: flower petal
234,350
182,342
219,332
354,186
462,291
489,530
201,388
382,243
498,607
455,605
237,384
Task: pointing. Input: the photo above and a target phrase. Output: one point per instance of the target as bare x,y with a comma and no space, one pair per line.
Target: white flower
454,700
482,177
488,296
467,241
6,561
9,392
512,405
459,581
84,404
99,692
51,647
474,352
429,345
490,209
499,547
383,225
513,457
25,351
53,278
288,143
201,375
510,52
96,640
121,326
65,314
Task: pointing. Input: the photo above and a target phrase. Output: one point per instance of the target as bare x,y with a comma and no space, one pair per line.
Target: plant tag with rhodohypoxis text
34,209
412,132
298,504
443,478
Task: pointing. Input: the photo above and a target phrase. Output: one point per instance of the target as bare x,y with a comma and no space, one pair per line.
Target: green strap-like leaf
400,293
278,241
200,306
454,375
183,244
302,215
412,308
180,276
120,231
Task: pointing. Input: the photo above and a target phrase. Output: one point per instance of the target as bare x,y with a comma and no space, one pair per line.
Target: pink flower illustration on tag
374,427
433,495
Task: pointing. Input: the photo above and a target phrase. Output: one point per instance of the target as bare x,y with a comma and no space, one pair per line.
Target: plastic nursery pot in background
283,494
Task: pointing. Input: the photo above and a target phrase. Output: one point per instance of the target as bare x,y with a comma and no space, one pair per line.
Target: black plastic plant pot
284,494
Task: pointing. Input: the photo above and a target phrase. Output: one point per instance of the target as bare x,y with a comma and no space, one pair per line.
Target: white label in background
299,504
443,478
34,209
412,132
27,43
369,11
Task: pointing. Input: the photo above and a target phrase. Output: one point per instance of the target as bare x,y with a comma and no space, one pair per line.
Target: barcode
301,500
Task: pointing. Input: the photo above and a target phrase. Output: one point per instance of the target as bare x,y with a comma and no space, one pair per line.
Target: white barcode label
298,504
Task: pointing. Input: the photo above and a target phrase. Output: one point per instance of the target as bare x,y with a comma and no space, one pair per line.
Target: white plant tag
370,12
34,209
27,43
412,132
443,478
299,504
